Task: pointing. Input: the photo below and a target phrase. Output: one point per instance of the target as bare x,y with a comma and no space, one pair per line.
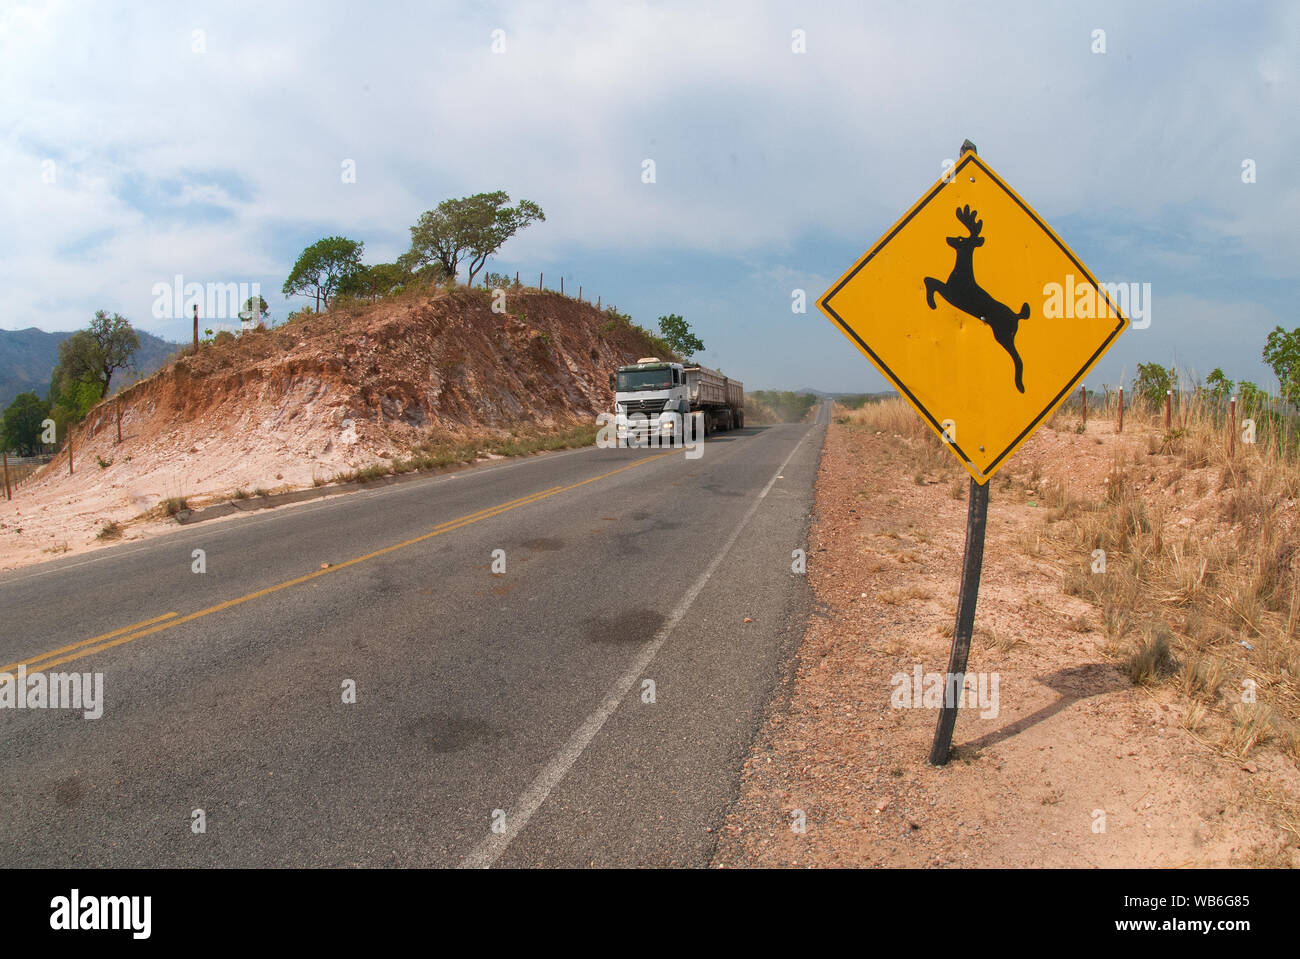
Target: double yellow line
157,624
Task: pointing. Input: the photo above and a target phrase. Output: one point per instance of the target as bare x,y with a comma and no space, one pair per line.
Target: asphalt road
500,719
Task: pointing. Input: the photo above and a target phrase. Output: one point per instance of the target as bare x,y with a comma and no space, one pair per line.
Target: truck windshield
629,381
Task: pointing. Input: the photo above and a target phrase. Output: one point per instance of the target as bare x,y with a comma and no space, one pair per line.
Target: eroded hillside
297,405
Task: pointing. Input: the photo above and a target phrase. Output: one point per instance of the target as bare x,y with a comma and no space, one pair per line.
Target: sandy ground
1077,768
56,515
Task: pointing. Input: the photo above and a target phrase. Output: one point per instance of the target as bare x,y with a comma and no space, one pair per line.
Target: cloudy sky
143,140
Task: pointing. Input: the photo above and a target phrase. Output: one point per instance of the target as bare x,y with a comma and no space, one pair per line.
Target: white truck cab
650,399
662,402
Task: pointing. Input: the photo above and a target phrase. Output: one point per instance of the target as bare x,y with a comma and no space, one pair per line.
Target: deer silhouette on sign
961,290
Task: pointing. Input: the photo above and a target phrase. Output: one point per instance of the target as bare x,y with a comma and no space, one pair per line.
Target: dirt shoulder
1077,766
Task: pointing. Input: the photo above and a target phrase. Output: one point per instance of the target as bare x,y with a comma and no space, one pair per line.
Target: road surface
500,719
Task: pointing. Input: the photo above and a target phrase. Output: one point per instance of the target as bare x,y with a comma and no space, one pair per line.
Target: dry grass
1176,601
1202,562
1153,659
917,445
891,415
894,597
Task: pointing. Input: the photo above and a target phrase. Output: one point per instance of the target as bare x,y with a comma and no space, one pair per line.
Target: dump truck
661,402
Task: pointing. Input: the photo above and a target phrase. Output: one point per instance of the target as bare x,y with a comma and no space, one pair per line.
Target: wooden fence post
1121,410
540,278
1232,426
561,284
1083,390
1169,402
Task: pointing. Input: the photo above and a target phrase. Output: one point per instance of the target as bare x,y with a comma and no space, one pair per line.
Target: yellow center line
87,642
157,624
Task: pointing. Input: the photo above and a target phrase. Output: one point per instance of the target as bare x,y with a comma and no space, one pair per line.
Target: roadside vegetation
1190,553
1201,581
892,416
88,362
763,407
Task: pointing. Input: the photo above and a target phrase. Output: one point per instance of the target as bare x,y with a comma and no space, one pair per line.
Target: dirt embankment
1074,765
297,405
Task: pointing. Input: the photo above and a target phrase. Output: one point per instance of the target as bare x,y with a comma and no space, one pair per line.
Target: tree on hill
22,424
322,267
1282,353
93,355
255,310
416,271
382,279
70,400
473,228
676,332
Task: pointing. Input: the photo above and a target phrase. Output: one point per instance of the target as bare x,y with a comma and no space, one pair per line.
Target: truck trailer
656,398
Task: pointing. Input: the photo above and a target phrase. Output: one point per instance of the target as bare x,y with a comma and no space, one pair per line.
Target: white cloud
758,150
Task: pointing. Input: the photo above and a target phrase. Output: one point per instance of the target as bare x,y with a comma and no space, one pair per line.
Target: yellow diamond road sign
977,313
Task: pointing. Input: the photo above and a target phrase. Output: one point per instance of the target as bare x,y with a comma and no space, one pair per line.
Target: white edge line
492,846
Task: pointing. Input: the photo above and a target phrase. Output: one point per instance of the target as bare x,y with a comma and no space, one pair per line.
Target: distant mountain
28,358
812,392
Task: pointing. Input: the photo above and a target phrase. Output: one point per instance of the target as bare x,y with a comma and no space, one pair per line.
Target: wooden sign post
984,321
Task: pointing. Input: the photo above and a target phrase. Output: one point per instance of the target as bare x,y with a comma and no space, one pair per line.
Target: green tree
382,279
255,310
1153,381
94,354
1253,399
22,424
471,228
1218,385
322,267
676,332
70,400
1282,353
415,270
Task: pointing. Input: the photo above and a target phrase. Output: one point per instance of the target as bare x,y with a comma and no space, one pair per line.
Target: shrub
1153,660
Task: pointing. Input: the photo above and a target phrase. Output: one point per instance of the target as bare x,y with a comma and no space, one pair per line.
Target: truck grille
644,406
